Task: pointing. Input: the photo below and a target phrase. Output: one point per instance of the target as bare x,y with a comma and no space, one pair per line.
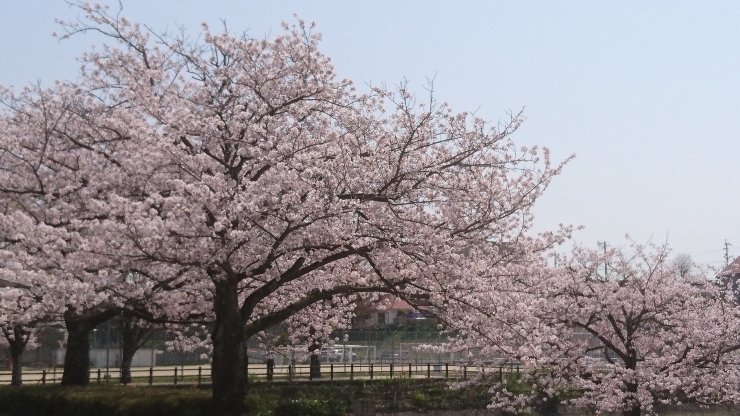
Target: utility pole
603,244
107,351
727,253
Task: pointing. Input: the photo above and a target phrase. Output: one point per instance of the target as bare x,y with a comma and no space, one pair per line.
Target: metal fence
198,375
369,347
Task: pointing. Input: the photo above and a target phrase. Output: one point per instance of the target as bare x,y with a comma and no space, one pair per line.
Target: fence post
290,372
331,372
465,372
200,373
352,371
501,373
409,370
175,375
54,376
447,370
371,371
517,370
391,370
98,376
151,375
43,377
429,370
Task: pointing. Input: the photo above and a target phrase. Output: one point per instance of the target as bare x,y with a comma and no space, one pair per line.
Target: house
731,275
387,310
732,270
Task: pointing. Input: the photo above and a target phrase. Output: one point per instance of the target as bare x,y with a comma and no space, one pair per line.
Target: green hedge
106,400
320,398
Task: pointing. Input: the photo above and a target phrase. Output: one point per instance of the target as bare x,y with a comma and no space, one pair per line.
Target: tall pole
727,253
107,350
603,244
94,345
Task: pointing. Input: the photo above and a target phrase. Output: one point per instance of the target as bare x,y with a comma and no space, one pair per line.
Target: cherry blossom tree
135,333
242,182
641,334
57,173
20,313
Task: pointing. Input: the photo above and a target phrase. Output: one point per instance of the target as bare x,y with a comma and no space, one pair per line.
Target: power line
707,253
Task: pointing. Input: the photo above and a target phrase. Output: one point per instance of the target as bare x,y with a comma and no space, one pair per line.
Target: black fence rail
197,375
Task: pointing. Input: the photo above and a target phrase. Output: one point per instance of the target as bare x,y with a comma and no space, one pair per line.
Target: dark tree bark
17,338
77,357
229,359
314,349
315,370
134,333
631,404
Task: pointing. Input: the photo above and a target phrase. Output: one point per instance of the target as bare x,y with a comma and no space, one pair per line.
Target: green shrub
314,407
419,398
104,400
263,399
257,405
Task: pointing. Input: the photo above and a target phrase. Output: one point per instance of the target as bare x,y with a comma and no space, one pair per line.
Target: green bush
314,407
113,401
263,399
420,399
257,405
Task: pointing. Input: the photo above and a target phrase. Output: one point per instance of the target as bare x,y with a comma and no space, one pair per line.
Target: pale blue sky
646,94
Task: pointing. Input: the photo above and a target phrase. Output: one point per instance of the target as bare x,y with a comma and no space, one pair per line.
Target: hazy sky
646,94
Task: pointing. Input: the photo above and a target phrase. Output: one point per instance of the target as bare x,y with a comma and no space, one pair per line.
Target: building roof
732,269
392,303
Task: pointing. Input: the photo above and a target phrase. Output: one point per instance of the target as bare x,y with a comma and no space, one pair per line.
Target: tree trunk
77,357
17,377
16,354
315,366
631,404
634,410
134,333
314,350
127,355
229,361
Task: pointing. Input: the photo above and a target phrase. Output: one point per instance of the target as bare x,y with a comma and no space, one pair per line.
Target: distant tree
648,331
24,306
684,264
135,333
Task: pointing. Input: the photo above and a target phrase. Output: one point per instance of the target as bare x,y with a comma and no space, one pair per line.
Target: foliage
237,181
265,399
627,328
313,407
93,400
